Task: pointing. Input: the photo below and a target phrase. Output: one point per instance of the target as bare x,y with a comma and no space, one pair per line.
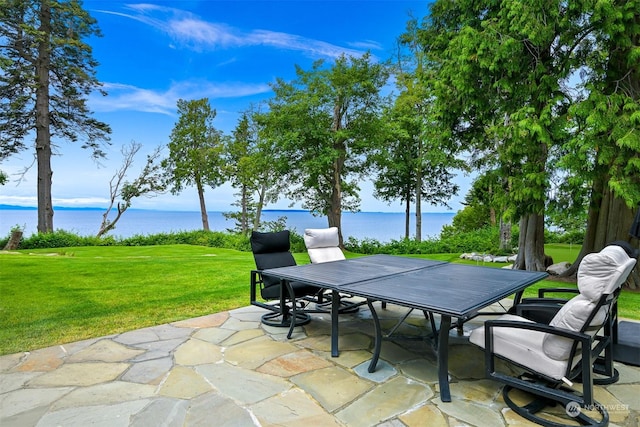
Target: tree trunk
609,219
407,217
261,197
110,225
14,240
244,221
334,214
43,132
419,194
531,244
492,214
203,208
505,235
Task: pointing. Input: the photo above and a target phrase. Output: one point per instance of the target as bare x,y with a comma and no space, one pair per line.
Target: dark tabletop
458,290
336,274
454,289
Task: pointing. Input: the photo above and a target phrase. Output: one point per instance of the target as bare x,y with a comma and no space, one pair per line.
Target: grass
86,292
50,297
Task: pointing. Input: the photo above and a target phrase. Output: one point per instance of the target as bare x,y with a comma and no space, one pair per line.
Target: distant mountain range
66,208
33,208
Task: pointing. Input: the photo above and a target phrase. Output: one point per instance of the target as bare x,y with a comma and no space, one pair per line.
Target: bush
575,237
472,217
451,241
481,240
62,238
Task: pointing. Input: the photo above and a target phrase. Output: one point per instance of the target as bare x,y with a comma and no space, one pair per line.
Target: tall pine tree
47,73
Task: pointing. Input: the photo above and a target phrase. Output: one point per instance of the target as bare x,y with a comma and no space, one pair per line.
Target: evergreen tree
47,73
196,152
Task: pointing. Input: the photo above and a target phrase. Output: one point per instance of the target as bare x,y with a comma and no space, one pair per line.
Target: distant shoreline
71,208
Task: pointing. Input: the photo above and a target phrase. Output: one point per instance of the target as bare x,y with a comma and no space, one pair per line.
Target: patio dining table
450,290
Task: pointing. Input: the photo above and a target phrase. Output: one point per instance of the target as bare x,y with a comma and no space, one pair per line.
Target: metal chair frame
548,390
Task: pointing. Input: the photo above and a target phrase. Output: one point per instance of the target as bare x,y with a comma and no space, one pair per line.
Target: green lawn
56,296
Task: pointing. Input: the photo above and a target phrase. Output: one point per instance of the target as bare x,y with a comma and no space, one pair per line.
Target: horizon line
4,206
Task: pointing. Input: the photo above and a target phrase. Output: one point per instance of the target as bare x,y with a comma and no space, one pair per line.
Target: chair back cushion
600,273
604,272
271,250
323,244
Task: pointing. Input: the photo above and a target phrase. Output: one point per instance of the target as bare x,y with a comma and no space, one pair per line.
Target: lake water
380,226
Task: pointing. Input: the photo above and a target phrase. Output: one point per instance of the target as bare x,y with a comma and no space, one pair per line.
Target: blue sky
152,54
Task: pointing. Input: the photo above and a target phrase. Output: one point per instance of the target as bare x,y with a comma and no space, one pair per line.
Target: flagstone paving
227,369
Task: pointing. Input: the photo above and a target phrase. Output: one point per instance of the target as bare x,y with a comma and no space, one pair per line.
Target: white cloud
19,200
367,45
132,98
199,35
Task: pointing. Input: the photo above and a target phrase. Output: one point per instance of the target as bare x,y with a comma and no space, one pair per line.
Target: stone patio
227,369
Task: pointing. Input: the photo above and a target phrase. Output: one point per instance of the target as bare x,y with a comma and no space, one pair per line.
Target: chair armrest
543,291
540,310
540,327
582,345
539,305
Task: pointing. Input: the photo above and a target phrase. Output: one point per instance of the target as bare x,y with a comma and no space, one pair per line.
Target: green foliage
323,125
413,165
70,61
575,237
450,241
472,217
250,156
47,72
196,151
61,239
213,239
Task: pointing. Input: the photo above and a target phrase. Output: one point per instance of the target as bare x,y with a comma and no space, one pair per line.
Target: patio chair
323,245
553,355
543,308
291,302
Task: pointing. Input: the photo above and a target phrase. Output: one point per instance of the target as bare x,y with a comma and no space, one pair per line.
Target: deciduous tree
413,165
251,156
149,183
325,123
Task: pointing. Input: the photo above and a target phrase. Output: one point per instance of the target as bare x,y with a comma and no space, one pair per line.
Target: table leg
335,308
443,358
378,338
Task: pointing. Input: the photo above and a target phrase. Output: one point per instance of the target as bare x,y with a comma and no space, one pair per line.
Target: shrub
62,238
451,241
472,217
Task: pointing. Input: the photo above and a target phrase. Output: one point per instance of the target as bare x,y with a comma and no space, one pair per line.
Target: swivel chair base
574,412
280,320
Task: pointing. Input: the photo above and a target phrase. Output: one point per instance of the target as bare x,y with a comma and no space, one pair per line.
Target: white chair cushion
319,255
321,237
603,272
322,244
599,274
521,346
571,316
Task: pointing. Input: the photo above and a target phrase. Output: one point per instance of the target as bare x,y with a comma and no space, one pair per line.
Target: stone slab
332,387
243,385
390,399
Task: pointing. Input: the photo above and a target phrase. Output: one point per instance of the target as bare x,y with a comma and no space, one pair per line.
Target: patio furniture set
554,342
